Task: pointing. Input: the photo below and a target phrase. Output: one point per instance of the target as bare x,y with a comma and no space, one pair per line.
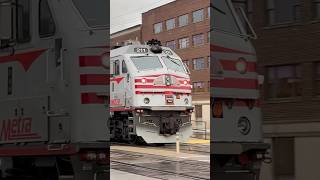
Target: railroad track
196,148
159,167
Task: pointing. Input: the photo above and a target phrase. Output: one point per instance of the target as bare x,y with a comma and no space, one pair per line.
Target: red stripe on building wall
94,79
230,65
90,61
26,59
92,98
161,87
216,48
234,83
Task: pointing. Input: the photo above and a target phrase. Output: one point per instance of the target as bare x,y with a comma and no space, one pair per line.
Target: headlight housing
244,125
146,100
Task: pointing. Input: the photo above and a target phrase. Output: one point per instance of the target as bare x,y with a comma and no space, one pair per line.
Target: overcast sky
127,13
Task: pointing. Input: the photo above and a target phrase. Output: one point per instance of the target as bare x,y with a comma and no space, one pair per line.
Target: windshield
174,64
93,11
146,62
223,18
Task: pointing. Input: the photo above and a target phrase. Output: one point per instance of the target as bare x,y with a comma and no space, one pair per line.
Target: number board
141,50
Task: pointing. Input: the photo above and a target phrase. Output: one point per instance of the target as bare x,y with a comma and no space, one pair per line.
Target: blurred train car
237,148
54,58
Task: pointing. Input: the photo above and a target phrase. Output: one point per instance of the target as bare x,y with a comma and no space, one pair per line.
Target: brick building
288,50
184,25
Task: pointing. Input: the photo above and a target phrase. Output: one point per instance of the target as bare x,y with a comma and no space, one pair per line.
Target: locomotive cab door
118,83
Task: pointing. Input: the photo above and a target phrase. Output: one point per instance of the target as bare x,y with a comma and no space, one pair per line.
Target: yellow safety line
198,141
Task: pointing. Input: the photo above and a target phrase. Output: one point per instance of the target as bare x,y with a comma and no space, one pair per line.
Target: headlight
241,66
186,101
244,125
185,82
146,100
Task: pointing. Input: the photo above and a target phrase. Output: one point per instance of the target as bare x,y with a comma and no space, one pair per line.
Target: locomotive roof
142,50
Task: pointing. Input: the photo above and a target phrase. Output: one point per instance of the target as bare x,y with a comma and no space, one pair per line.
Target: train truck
150,94
237,148
54,61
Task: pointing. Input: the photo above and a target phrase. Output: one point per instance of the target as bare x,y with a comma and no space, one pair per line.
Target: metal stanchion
178,143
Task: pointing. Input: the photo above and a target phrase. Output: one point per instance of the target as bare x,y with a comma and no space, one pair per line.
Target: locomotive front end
155,94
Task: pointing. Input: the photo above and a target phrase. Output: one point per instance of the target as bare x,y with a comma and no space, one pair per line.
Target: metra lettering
15,128
115,102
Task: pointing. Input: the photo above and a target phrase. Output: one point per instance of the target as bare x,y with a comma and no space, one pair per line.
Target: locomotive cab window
173,64
23,21
46,22
116,68
146,62
124,68
223,18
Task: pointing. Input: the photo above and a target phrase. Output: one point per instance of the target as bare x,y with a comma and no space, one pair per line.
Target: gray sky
127,13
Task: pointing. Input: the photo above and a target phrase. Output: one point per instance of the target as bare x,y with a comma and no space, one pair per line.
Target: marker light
241,66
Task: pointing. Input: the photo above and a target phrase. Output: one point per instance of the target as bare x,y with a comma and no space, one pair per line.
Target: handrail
203,131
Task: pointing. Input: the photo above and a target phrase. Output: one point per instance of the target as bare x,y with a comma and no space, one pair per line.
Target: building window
284,11
157,28
183,20
171,44
316,9
283,156
199,63
198,40
284,81
183,43
317,77
23,21
199,86
198,109
171,24
197,16
46,22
